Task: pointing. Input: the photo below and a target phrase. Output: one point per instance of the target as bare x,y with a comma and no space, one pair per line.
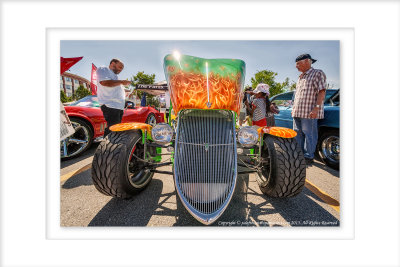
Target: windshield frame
91,99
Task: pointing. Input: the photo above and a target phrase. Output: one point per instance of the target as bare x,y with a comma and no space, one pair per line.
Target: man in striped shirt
308,105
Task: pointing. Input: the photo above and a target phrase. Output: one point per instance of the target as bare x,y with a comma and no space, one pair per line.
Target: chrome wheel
138,175
78,142
330,148
151,119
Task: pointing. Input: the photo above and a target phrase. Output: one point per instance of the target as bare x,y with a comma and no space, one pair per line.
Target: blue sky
147,56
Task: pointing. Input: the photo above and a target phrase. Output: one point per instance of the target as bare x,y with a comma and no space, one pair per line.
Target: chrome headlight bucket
162,133
247,136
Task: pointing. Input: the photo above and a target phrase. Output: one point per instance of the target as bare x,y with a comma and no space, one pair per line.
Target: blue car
328,146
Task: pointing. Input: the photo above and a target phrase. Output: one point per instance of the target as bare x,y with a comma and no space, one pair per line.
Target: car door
285,103
136,114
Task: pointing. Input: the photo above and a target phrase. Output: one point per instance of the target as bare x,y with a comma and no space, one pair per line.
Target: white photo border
23,188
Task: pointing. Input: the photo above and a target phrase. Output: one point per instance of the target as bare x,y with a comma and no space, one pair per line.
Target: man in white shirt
111,93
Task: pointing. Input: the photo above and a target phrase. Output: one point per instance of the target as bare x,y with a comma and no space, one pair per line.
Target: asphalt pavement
82,205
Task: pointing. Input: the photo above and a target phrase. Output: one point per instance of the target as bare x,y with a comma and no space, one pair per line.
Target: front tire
283,173
117,169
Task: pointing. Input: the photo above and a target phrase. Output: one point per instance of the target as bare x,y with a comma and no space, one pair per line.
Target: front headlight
162,133
248,136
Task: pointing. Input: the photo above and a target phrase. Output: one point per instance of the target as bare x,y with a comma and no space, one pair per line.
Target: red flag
93,82
67,63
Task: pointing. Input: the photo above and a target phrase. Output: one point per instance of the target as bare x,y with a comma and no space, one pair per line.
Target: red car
89,123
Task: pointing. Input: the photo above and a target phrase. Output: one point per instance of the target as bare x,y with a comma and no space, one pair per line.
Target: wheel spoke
152,121
77,141
330,148
65,148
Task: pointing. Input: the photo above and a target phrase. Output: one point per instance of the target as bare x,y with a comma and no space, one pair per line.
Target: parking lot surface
82,205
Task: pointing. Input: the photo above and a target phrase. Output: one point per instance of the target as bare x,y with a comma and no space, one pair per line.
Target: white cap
263,88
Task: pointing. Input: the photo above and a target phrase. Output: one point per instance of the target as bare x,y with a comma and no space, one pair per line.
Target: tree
292,86
289,86
81,92
142,78
63,97
268,77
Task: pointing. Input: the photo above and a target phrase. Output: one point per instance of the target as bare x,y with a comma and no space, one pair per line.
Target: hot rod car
204,146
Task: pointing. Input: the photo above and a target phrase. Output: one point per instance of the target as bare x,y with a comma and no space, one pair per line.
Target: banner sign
152,89
93,81
67,63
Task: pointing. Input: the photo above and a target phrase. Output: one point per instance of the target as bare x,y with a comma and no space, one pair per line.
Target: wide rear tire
284,168
116,169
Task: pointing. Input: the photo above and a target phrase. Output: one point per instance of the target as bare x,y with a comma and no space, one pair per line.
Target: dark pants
112,116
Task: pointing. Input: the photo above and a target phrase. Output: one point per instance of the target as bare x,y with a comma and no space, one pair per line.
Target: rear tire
115,169
284,171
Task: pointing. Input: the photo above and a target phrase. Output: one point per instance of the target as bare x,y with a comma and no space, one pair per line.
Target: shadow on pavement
324,167
132,212
139,210
300,210
248,207
83,178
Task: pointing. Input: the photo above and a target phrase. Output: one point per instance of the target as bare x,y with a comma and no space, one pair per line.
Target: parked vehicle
204,146
328,147
89,123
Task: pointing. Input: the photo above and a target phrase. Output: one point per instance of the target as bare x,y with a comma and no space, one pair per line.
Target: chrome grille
205,162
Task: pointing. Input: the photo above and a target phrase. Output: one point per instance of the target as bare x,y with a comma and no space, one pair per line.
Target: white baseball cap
263,88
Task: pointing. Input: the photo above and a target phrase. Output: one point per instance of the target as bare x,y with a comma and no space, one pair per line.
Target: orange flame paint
189,91
277,131
130,126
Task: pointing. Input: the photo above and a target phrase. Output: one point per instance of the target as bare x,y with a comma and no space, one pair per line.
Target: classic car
208,151
328,146
89,123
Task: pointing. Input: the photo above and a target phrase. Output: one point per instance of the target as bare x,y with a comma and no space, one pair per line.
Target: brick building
70,82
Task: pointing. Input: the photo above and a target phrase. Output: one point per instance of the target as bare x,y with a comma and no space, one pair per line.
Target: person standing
308,105
111,93
261,105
